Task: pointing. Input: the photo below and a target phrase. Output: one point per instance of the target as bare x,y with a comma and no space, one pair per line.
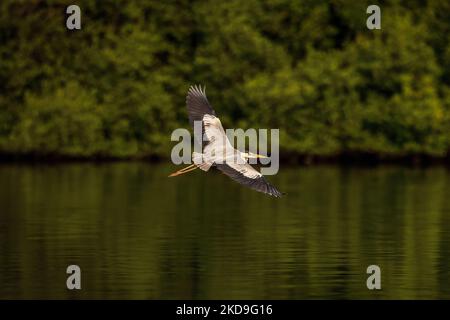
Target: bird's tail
199,160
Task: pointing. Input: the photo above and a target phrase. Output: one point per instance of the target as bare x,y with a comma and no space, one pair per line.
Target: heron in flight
217,149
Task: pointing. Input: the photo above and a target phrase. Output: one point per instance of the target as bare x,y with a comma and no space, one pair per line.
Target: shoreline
287,158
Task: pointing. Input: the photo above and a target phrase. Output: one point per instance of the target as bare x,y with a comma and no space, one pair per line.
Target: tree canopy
117,87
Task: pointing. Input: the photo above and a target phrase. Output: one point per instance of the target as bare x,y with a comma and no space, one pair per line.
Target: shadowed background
116,88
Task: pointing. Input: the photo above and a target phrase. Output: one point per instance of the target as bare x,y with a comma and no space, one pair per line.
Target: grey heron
217,149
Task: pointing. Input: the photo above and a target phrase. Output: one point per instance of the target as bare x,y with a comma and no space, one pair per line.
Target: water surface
137,234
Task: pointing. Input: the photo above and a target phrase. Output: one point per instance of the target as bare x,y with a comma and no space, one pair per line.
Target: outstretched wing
199,109
197,104
245,174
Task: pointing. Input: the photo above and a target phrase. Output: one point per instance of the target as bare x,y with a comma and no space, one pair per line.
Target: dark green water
137,234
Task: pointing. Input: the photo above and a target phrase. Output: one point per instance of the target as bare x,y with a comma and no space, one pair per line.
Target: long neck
244,155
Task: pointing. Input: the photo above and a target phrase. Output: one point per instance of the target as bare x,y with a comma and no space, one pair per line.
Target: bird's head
250,155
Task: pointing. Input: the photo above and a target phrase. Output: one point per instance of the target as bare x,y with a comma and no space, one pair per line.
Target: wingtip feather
197,89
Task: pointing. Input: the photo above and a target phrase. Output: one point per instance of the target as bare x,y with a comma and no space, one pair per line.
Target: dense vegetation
117,87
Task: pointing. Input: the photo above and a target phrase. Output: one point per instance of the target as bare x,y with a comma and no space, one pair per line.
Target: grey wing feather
197,104
246,175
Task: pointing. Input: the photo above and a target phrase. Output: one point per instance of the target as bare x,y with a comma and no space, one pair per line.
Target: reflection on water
137,234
